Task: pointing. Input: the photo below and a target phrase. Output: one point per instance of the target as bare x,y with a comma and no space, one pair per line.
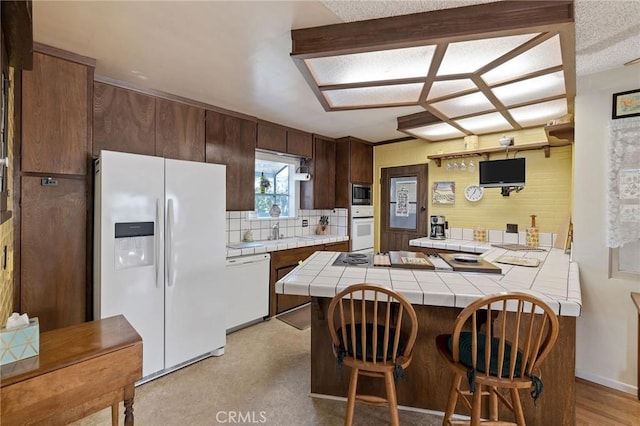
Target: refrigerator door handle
169,242
157,245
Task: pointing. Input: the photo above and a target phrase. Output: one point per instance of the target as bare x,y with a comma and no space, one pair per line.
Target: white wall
606,350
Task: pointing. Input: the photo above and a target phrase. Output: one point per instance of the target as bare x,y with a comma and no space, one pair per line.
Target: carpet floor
263,378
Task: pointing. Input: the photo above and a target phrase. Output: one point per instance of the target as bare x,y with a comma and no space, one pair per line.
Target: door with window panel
403,206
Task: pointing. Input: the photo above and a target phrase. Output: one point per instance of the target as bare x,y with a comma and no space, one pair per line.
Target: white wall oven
362,229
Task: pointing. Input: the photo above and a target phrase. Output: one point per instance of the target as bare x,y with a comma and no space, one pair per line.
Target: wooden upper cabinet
319,192
123,120
231,141
361,160
299,143
271,137
56,104
354,164
277,138
180,131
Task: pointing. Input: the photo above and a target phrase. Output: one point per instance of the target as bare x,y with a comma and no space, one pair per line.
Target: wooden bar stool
498,342
375,339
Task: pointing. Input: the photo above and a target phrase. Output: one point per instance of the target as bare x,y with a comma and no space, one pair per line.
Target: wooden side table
80,370
636,299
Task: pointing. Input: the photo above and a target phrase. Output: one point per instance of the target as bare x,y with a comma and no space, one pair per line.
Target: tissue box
20,342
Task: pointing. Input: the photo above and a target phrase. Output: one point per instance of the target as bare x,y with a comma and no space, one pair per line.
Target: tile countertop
452,244
555,280
265,246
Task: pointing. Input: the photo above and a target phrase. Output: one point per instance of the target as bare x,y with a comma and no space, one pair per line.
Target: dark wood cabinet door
319,192
272,137
53,251
343,173
361,163
123,120
179,131
231,141
55,114
299,143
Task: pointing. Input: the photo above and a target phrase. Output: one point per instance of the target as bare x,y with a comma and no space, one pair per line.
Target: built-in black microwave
360,195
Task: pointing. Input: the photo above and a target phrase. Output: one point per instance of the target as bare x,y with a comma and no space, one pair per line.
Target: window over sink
275,185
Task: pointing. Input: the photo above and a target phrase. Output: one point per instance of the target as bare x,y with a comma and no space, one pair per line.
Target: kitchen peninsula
438,296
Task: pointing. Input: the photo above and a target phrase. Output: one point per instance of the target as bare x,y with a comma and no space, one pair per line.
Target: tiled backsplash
501,237
238,224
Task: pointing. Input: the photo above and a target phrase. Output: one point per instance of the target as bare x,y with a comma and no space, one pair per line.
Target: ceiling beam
418,29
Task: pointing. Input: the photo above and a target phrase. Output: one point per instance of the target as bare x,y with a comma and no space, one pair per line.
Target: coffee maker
437,228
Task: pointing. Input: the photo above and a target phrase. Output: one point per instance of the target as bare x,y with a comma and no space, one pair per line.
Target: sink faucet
275,231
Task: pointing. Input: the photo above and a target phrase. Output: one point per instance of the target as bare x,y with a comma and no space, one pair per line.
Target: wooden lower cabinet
283,262
53,251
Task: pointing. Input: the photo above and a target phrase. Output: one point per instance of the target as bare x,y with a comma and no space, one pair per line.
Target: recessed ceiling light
541,87
372,66
436,132
449,87
539,114
547,54
469,56
487,123
463,105
399,94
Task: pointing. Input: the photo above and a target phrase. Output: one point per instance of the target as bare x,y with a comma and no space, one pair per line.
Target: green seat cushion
465,346
369,349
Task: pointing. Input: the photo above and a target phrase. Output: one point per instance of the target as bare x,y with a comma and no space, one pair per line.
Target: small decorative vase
274,211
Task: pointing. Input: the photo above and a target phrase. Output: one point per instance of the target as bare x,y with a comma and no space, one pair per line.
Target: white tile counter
555,280
452,244
266,246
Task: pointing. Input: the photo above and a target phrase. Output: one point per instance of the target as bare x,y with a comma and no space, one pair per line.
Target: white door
195,259
129,189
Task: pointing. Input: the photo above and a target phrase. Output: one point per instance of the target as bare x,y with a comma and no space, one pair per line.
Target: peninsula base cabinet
285,261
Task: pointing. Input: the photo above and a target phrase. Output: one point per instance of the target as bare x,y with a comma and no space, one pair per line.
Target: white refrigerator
159,259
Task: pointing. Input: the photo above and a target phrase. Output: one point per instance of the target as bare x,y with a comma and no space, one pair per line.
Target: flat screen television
499,173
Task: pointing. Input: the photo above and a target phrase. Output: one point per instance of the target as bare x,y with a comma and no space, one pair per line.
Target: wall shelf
559,134
546,146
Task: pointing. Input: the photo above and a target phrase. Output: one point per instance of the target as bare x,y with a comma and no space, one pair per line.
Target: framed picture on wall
443,193
626,104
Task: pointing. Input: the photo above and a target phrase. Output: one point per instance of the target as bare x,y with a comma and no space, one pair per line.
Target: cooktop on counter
354,259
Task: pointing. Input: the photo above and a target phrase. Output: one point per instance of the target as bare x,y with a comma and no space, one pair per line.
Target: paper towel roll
302,176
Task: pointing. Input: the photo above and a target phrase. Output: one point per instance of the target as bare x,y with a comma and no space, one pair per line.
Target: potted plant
264,183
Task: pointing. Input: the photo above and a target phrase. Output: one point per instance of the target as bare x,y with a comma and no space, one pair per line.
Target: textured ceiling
235,54
607,31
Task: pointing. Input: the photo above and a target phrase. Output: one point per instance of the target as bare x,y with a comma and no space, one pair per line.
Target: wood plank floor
601,406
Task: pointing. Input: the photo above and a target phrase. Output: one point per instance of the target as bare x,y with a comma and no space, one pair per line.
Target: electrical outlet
512,228
305,223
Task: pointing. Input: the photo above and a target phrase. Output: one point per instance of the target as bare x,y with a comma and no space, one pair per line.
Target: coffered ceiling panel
468,73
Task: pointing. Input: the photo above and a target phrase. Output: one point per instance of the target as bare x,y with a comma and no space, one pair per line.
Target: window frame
294,192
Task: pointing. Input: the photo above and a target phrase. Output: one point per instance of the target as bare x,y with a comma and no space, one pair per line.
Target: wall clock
473,193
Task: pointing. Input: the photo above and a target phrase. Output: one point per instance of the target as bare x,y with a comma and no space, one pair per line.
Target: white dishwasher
247,290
